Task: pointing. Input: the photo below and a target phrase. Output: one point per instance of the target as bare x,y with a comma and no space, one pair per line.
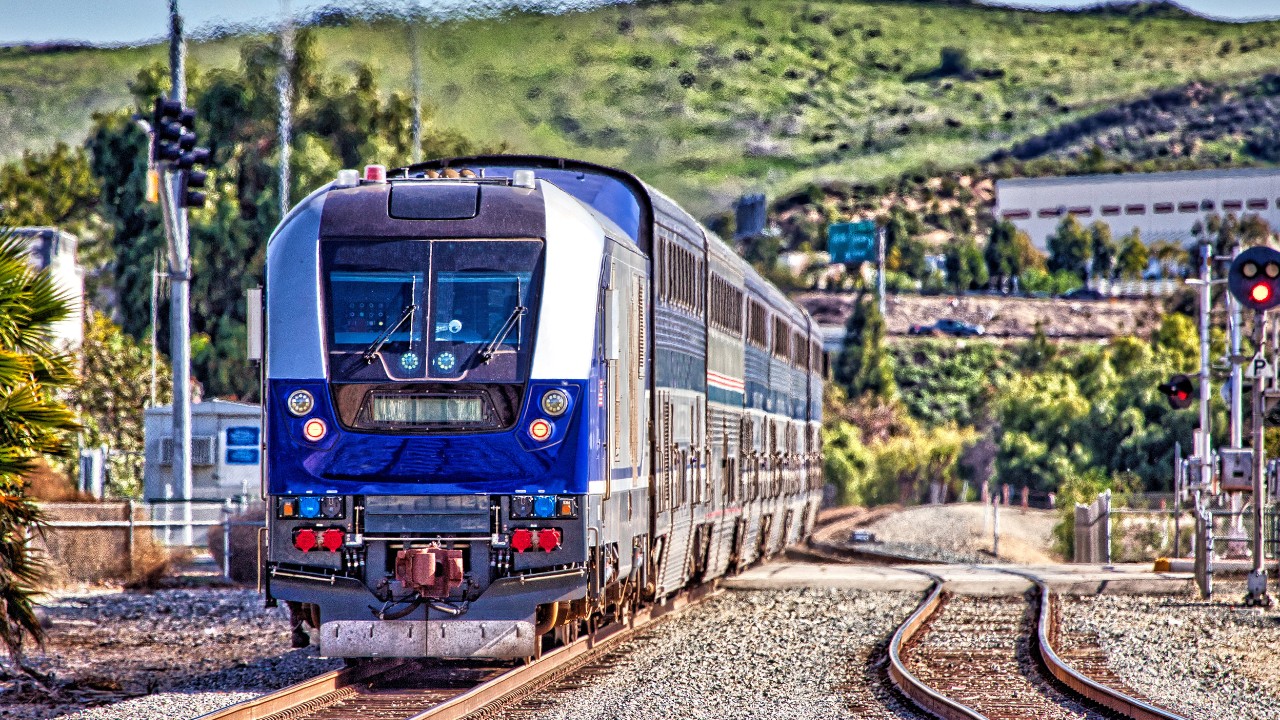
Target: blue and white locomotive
509,396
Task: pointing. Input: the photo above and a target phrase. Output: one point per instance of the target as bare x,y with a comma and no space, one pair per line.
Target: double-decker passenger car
512,395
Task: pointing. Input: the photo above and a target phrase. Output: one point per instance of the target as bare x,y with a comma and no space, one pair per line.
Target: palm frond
33,422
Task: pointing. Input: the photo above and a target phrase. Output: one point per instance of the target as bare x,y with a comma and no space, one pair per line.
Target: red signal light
1260,293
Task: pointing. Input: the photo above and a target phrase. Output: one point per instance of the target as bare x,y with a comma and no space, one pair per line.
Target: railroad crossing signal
1179,390
1254,278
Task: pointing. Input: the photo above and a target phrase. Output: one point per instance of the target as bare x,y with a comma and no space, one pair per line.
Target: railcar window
726,305
757,325
799,351
781,339
365,305
451,310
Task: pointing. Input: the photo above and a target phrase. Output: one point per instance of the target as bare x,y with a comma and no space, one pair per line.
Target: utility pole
880,269
1237,370
155,321
414,55
1205,451
179,294
284,85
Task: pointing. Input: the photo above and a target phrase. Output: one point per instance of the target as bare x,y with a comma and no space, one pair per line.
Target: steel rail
331,686
1046,632
308,691
907,683
525,679
941,706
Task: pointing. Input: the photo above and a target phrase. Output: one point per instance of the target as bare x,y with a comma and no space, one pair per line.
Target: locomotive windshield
431,310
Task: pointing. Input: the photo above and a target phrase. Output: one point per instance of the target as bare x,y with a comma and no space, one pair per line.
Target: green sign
852,242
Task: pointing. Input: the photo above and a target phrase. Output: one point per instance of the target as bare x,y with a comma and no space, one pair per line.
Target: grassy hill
710,99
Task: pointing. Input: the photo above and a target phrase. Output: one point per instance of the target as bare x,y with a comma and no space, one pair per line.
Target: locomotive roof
636,222
456,209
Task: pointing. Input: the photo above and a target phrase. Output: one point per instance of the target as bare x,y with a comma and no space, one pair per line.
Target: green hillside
708,99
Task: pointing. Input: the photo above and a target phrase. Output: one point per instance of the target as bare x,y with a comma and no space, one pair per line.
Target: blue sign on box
242,456
242,436
852,242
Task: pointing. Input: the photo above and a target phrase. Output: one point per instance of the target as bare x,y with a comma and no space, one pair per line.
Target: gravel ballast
1210,660
182,653
788,654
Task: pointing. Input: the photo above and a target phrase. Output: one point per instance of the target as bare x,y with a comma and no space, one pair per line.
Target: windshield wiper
486,353
374,347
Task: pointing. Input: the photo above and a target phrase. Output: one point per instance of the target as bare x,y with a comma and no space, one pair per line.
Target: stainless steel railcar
502,406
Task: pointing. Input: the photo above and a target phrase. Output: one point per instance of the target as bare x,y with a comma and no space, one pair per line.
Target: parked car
947,326
1082,293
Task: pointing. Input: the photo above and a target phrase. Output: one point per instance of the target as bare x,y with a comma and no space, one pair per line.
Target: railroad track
438,690
970,658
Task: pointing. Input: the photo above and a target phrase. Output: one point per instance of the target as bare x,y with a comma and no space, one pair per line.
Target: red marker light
1260,293
305,540
314,429
521,539
540,430
332,539
548,539
375,173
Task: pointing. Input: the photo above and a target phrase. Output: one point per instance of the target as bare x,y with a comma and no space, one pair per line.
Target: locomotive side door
625,397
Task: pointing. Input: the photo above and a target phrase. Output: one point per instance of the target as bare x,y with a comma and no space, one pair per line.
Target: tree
902,251
1070,247
113,388
33,422
55,188
340,120
864,366
1133,258
965,266
1009,252
1104,249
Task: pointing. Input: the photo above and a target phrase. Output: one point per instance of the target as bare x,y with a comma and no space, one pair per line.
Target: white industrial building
55,251
1163,206
226,451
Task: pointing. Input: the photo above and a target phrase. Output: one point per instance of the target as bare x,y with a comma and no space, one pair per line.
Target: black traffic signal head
193,157
1254,278
1180,391
187,197
167,130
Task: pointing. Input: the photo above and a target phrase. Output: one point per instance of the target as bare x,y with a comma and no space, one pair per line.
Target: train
510,398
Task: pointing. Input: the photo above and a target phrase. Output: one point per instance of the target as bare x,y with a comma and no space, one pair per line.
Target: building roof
213,407
1130,178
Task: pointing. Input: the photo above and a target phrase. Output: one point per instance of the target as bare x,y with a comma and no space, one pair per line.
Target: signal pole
1257,582
179,294
1206,296
1254,279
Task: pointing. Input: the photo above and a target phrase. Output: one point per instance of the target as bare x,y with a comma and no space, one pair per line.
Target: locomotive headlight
555,402
301,402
